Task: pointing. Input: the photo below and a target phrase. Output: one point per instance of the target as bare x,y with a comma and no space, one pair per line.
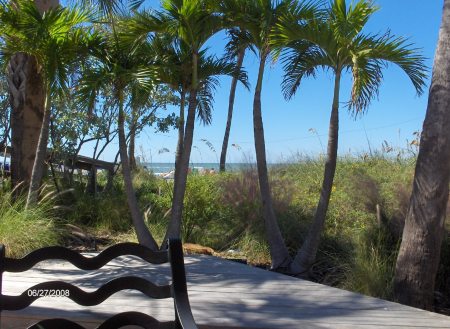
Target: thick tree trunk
132,144
278,251
27,98
179,188
41,156
223,154
144,236
307,254
419,254
27,110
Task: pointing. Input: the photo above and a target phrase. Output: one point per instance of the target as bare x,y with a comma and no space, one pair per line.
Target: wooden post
92,183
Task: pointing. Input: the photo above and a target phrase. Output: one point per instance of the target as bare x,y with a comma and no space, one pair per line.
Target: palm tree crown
339,43
56,39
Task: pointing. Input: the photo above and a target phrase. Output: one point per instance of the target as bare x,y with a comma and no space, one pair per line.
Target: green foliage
22,230
202,213
372,269
57,39
106,211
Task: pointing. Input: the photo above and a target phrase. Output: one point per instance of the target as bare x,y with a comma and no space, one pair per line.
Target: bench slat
81,297
177,289
82,262
119,320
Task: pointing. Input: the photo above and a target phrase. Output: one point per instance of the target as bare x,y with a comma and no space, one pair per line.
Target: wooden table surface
223,294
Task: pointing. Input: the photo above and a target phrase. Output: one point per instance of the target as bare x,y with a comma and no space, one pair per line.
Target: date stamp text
48,293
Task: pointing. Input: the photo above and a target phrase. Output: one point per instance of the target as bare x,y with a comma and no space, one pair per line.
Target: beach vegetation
337,42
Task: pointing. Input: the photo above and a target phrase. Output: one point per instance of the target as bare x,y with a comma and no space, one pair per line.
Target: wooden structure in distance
83,163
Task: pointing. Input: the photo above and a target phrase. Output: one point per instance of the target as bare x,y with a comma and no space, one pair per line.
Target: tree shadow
222,293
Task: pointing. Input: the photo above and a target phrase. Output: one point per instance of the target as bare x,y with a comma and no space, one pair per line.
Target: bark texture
27,98
307,254
419,254
278,251
40,158
132,144
143,234
226,137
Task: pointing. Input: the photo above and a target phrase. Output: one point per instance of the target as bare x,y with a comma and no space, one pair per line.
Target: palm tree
140,101
54,40
339,44
119,67
27,100
236,47
419,255
191,23
174,68
258,18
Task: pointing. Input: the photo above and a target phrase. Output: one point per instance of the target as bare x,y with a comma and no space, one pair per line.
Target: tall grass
22,230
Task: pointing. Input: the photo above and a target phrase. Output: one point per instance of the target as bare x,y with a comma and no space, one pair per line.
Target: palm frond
238,40
211,66
205,98
112,7
54,38
348,22
303,59
94,80
401,52
138,28
367,77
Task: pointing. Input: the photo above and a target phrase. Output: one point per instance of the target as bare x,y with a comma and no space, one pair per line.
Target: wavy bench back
177,289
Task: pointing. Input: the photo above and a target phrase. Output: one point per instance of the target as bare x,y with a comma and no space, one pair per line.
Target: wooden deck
223,294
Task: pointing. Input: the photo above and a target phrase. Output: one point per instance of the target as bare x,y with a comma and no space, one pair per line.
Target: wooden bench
177,289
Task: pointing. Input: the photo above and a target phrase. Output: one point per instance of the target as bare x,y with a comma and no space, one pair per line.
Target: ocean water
160,167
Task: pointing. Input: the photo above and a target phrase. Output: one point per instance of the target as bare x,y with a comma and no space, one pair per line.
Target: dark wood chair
177,289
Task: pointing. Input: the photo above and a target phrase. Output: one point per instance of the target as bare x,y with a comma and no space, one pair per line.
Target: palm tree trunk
179,185
179,188
144,236
132,144
178,160
307,254
179,152
278,251
27,98
223,154
419,254
41,155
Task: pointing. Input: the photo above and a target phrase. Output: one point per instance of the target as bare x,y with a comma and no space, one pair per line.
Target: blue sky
393,117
